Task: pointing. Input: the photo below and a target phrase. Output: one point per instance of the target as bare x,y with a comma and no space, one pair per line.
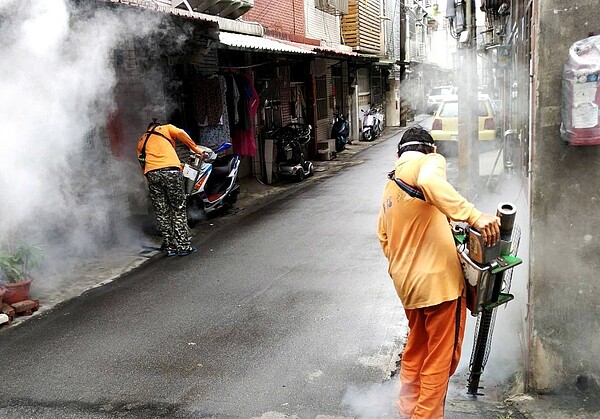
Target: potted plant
16,264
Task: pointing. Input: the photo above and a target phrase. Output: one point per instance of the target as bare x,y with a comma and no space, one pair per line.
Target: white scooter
211,184
371,124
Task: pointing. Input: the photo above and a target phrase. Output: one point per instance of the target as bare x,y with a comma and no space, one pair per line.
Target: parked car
437,95
444,128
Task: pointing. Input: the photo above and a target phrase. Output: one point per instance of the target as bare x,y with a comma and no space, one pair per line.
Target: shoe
189,251
171,252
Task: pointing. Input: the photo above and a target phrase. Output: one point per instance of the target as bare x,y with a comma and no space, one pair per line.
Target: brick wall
286,16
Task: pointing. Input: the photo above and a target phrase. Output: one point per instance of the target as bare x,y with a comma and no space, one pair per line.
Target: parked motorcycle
379,122
372,124
340,131
211,184
291,140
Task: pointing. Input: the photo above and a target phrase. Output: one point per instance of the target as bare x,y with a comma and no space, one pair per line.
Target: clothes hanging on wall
245,119
233,98
299,110
214,128
243,132
208,112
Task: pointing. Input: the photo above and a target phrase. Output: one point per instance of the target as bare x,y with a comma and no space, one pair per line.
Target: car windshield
438,91
482,109
450,109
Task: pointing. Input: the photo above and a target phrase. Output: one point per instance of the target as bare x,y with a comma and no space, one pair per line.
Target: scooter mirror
223,147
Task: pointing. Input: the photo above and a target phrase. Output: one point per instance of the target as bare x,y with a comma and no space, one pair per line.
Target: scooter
340,131
291,140
371,124
211,183
378,128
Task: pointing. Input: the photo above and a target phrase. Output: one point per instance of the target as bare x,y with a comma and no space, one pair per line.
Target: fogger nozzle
506,212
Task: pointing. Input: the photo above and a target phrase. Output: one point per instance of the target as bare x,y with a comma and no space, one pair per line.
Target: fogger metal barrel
507,213
493,286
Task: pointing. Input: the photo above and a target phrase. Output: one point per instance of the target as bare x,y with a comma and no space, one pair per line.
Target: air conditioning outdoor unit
333,7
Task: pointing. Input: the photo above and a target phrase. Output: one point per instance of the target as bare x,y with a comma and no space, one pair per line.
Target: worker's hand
489,227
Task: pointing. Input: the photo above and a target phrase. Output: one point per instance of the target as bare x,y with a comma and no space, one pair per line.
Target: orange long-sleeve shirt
160,152
415,235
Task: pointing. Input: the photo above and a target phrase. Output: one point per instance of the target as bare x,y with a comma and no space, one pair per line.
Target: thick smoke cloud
58,179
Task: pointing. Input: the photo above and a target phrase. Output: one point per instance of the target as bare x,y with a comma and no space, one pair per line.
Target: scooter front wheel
367,134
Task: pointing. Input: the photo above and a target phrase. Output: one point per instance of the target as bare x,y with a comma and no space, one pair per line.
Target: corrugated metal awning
257,43
252,28
335,51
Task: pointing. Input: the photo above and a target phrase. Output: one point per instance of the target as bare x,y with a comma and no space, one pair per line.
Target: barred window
322,106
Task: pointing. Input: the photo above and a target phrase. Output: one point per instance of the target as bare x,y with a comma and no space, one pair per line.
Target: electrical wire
267,6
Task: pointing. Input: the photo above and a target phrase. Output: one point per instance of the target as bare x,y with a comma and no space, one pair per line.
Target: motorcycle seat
223,165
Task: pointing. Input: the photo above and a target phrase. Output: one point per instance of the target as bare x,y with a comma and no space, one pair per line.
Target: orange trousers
430,357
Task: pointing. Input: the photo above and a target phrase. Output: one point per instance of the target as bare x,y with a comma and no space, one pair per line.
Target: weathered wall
565,242
286,16
321,25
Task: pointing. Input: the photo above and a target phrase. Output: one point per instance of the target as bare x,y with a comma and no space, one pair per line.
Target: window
449,110
322,106
440,91
482,109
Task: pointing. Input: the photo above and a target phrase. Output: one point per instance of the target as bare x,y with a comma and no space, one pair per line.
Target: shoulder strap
411,191
148,134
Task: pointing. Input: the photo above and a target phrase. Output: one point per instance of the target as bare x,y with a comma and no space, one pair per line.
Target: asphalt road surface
285,312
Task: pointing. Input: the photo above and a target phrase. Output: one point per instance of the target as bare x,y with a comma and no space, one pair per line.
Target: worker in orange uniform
417,240
161,165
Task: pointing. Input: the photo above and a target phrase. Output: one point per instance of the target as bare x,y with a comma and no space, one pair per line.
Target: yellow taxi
444,128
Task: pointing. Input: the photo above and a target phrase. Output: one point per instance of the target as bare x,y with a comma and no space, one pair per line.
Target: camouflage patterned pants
168,200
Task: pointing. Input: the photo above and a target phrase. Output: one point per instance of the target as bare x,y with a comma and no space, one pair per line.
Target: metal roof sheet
252,28
258,43
340,50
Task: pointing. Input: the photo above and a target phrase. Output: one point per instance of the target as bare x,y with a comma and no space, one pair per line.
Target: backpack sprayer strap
414,192
410,190
142,156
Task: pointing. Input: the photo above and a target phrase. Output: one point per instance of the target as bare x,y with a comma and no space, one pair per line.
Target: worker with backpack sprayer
419,244
162,168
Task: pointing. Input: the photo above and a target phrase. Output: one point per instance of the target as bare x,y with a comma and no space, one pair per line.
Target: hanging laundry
300,105
233,98
243,133
208,112
216,131
243,85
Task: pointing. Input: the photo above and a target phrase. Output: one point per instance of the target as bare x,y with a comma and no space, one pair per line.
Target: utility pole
467,82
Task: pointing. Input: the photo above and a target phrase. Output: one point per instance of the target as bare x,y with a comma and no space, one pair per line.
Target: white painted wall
321,25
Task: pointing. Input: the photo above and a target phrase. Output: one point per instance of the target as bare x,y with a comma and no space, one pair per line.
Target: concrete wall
565,242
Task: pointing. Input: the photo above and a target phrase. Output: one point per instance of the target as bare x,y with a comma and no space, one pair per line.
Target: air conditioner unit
333,7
